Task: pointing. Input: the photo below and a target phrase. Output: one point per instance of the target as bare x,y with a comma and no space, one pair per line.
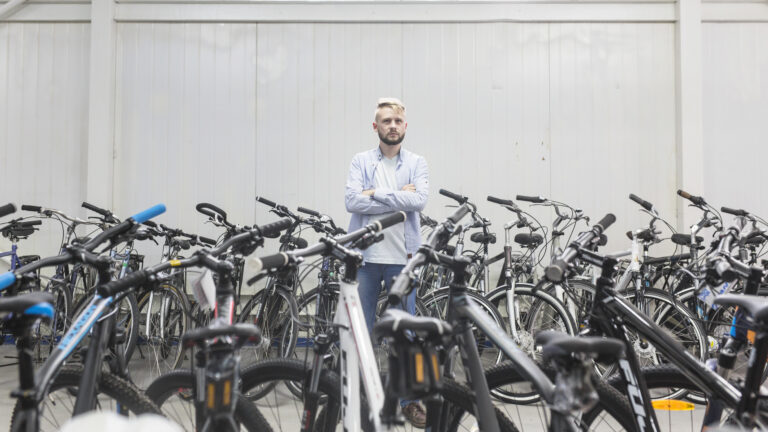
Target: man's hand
409,188
369,192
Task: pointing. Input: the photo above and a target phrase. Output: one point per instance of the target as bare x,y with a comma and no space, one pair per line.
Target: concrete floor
283,410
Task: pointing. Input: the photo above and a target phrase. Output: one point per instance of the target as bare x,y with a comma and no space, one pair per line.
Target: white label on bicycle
634,265
708,296
204,290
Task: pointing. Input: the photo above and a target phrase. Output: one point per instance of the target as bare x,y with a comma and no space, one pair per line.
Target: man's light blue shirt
411,169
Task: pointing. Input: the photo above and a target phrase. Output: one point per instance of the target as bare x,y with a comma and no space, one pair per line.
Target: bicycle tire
539,311
127,318
125,395
610,399
293,370
180,383
159,349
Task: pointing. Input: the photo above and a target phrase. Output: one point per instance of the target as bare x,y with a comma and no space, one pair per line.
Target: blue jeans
369,278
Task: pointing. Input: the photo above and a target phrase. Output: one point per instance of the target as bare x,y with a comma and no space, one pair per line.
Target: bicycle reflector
672,405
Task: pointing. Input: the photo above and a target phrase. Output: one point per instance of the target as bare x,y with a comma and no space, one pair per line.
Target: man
382,181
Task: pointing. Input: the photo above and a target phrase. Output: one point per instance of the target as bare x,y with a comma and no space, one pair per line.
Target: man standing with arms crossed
381,181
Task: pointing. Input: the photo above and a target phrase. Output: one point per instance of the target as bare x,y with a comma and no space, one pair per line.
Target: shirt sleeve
354,199
404,200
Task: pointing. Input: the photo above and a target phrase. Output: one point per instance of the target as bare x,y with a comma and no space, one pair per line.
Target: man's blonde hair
393,103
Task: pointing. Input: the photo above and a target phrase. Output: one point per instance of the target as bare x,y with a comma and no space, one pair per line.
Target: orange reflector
751,336
419,359
175,262
211,396
227,390
435,367
672,405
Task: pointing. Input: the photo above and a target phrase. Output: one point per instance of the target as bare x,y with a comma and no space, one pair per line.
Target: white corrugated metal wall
222,111
43,120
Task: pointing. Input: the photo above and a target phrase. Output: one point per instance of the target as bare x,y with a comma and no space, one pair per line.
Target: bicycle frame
15,263
615,315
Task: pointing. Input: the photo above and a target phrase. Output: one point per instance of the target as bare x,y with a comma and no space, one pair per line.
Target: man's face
390,126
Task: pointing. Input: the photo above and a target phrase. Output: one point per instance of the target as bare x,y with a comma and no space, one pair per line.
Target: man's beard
393,142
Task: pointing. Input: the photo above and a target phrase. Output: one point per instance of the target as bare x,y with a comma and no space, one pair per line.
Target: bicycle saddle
528,240
557,344
756,306
33,304
685,239
396,322
479,237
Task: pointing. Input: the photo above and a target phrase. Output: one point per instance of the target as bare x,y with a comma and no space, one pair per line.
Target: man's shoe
415,415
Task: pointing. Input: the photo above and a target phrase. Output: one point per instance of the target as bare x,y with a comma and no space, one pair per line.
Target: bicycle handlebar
643,203
531,199
692,198
734,212
501,201
556,271
401,287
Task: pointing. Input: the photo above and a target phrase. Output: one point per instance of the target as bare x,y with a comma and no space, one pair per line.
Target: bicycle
98,319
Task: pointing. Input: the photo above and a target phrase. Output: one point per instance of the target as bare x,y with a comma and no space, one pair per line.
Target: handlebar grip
389,220
308,211
400,288
643,203
10,208
210,210
149,213
556,271
735,212
606,221
270,262
274,228
150,224
266,201
30,223
459,214
453,196
7,279
32,208
533,199
99,210
111,288
500,201
692,198
206,240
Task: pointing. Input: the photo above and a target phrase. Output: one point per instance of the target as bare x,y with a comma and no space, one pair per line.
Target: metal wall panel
583,113
186,120
43,121
735,77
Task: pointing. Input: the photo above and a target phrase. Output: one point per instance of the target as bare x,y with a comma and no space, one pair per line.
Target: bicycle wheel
283,411
666,311
663,382
163,319
127,320
436,305
615,407
47,334
278,335
172,392
114,394
534,311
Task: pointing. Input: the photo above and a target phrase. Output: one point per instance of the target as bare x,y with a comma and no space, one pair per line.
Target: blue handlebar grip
7,279
149,213
40,309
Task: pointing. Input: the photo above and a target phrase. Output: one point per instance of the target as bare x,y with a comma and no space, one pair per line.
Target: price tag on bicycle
204,290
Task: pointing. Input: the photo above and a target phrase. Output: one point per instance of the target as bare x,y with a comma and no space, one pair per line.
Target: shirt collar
400,155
